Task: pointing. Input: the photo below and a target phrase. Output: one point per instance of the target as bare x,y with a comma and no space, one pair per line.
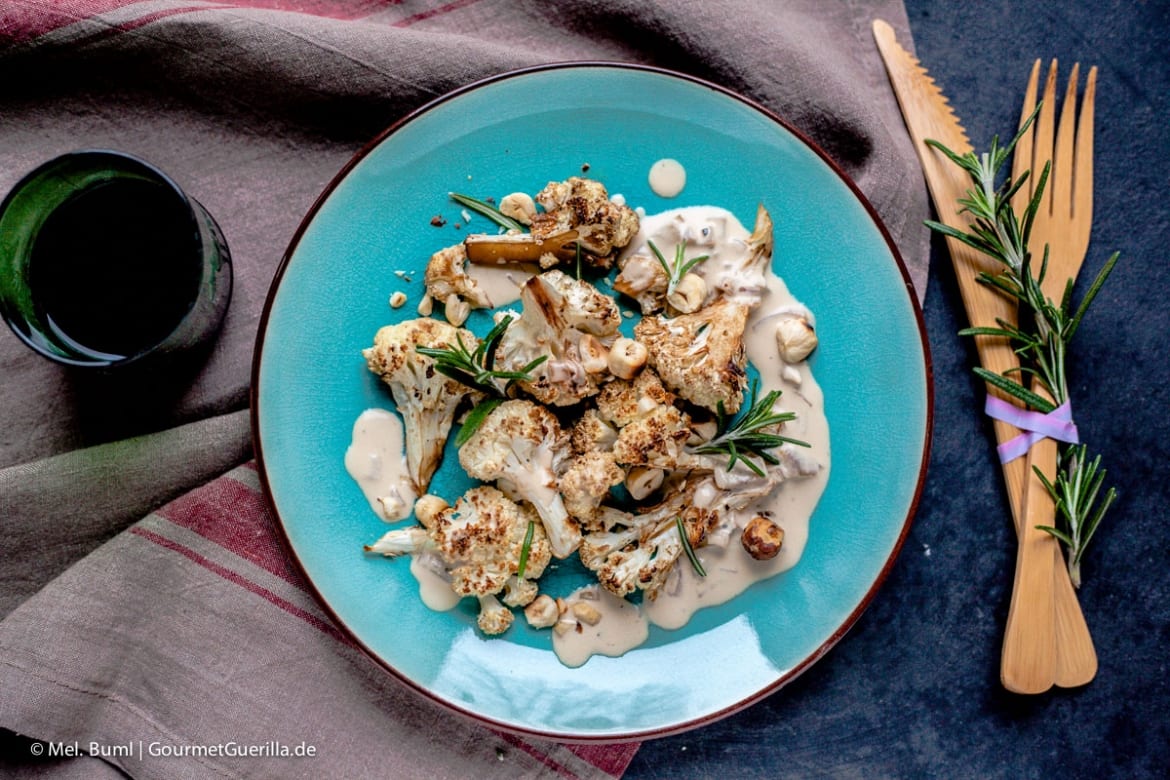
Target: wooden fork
1047,641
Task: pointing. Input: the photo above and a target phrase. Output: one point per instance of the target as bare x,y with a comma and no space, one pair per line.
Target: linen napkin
150,616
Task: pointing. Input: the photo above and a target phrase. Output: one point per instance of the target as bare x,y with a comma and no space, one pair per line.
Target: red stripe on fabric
235,517
433,12
145,19
611,759
23,21
236,578
539,755
329,9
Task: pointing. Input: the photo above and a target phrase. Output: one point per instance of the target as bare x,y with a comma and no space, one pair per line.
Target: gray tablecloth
133,614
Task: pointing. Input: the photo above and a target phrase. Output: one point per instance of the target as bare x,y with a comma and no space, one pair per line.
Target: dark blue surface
913,690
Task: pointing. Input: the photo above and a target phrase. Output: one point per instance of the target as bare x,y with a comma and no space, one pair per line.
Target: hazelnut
795,338
542,612
426,306
519,206
397,299
762,538
586,613
642,481
427,508
594,355
689,294
456,309
627,358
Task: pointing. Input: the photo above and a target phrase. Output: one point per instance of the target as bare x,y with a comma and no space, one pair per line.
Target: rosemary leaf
690,551
485,209
525,549
476,368
475,418
680,267
747,437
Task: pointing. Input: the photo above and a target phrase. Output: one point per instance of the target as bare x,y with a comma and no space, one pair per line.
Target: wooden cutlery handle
1028,663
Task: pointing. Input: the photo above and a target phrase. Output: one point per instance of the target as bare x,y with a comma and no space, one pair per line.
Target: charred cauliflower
558,312
639,551
446,276
586,483
583,206
632,447
426,399
520,445
579,220
480,540
700,356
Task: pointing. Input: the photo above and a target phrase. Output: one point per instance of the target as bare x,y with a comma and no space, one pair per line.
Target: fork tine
1082,204
1042,147
1062,156
1022,159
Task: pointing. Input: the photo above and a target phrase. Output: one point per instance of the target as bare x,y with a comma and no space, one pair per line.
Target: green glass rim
22,214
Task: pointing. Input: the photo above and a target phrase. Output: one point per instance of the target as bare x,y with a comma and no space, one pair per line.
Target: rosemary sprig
476,369
747,436
485,209
687,548
1078,483
680,266
1042,343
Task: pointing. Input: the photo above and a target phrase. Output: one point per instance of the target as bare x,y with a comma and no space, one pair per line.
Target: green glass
105,261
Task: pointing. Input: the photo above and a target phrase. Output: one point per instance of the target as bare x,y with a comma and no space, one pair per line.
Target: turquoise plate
517,132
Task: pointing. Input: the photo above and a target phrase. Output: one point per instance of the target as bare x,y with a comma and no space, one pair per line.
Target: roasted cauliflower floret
700,356
480,540
622,401
651,431
494,617
644,279
558,311
586,483
583,206
446,275
521,443
426,399
639,551
657,439
590,433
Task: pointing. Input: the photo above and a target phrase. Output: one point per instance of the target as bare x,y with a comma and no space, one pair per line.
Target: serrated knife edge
929,115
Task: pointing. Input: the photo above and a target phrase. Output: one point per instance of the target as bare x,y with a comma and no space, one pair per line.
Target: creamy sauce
501,284
434,589
667,178
376,459
622,628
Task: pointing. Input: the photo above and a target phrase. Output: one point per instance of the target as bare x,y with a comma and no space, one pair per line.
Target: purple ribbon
1056,424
